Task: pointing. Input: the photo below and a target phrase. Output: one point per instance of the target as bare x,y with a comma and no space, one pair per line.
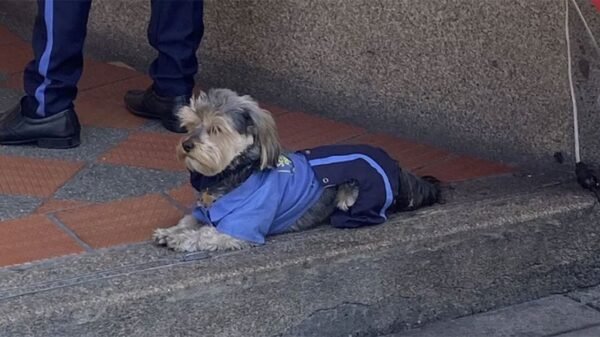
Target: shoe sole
48,143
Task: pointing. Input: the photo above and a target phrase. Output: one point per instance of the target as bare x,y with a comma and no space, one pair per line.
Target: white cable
596,47
587,27
573,98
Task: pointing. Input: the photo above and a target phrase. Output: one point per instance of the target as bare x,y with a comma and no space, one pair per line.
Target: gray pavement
574,314
496,242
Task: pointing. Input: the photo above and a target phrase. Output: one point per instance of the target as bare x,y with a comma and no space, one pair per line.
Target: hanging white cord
569,59
587,27
573,98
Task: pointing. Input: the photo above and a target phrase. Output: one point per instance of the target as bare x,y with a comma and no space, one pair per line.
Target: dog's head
223,125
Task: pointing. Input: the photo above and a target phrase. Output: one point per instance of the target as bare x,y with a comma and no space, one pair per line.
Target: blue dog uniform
268,202
374,171
271,201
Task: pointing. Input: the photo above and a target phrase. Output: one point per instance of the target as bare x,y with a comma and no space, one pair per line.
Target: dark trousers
175,31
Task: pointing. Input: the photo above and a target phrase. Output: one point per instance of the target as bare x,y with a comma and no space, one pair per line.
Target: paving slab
94,142
34,237
148,150
131,220
14,58
36,177
12,206
8,97
464,257
103,182
8,37
544,317
154,126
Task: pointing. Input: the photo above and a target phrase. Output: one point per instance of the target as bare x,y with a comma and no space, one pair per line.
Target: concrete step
495,242
556,315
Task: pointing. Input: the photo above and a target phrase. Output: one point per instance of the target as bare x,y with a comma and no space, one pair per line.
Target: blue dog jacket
374,171
271,201
268,202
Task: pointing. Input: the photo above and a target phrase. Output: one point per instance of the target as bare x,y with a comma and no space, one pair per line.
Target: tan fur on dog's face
221,125
216,143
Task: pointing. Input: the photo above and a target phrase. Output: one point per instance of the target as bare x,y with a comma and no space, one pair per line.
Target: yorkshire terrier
249,187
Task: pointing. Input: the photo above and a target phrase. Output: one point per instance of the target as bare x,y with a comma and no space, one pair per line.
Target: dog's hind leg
188,222
318,213
416,192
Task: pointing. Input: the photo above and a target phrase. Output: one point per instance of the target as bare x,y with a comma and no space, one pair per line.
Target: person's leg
45,116
175,31
59,33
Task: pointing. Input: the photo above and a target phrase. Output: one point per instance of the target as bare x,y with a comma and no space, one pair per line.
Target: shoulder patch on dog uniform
268,202
372,168
284,163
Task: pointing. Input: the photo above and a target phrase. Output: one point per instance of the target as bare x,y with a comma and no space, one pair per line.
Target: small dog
249,188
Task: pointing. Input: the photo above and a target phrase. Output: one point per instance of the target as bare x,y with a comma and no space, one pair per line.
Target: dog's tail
415,192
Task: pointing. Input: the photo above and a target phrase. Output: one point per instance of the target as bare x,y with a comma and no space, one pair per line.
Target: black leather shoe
59,131
147,104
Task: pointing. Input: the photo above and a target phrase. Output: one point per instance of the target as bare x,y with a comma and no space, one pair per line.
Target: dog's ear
265,131
187,117
187,114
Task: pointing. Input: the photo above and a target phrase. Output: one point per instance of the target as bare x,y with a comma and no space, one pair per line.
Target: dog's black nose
188,145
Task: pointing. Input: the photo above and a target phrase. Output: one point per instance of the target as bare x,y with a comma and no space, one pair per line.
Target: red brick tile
99,112
184,195
97,74
121,222
299,130
14,58
393,145
33,238
55,205
409,154
275,110
147,149
115,92
464,168
8,37
422,156
34,177
122,65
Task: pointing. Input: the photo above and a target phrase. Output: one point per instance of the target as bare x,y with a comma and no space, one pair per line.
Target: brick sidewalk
124,180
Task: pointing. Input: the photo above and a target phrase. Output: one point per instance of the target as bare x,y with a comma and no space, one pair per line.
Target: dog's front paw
205,238
185,241
160,235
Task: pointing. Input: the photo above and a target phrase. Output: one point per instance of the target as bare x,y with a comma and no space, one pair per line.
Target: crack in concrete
358,304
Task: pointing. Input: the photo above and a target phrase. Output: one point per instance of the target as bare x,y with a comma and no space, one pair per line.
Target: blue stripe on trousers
58,37
175,31
40,92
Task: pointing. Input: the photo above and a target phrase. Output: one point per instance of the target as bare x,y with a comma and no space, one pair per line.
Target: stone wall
483,77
